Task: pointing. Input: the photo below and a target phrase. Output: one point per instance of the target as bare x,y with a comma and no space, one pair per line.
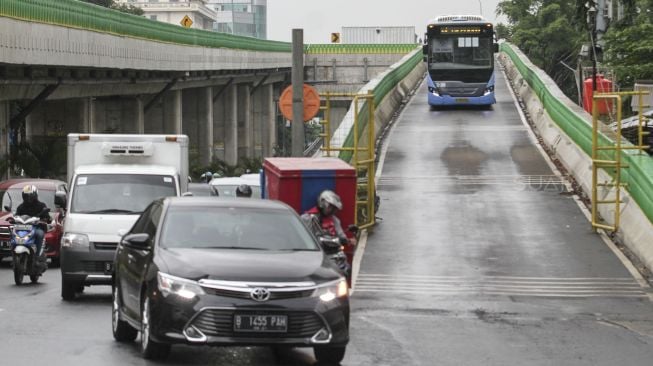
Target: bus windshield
461,53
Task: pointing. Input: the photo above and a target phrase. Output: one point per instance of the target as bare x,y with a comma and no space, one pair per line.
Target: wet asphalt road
481,259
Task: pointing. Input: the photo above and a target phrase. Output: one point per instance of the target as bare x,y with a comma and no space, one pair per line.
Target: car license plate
261,323
22,227
5,244
462,100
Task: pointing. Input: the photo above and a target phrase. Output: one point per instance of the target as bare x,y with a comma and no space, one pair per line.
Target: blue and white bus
459,53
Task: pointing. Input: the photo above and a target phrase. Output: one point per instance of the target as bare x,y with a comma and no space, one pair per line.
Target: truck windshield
119,194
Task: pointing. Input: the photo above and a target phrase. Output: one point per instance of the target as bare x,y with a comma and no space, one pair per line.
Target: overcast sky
320,18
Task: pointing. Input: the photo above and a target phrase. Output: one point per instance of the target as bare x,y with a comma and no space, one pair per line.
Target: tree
130,9
549,33
629,45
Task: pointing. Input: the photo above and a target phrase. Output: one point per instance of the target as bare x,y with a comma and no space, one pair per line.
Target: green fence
639,175
389,81
359,48
76,14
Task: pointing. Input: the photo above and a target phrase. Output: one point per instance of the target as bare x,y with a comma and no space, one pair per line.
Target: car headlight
332,290
72,240
171,285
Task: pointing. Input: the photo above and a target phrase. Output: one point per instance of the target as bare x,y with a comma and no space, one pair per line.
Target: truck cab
112,179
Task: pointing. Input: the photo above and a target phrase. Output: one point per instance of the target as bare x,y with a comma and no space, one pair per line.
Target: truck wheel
329,355
68,289
122,331
55,262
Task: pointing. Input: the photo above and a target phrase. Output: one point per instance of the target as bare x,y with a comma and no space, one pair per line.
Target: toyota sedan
199,271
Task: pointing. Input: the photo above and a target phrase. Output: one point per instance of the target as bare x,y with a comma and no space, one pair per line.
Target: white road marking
620,255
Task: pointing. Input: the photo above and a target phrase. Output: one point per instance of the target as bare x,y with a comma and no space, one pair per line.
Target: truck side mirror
60,199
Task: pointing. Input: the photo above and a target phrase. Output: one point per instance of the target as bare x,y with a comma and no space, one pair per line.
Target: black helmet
30,193
328,198
206,177
244,190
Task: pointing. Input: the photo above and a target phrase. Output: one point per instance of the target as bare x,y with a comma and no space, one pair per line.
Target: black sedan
227,272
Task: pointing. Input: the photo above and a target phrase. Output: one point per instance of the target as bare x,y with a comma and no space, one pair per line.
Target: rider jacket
33,209
330,224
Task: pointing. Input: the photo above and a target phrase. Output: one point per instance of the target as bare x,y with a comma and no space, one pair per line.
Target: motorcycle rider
244,190
32,207
328,205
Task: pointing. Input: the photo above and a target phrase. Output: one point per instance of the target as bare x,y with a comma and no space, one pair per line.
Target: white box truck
112,179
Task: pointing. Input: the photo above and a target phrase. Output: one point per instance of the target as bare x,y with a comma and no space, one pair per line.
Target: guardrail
80,15
639,175
382,88
359,48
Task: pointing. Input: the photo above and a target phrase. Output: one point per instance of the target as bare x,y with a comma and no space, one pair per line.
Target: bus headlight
434,91
489,89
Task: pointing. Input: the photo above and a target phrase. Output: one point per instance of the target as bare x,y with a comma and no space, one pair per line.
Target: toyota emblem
260,294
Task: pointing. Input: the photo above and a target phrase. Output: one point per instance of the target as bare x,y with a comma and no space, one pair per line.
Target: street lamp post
480,6
591,12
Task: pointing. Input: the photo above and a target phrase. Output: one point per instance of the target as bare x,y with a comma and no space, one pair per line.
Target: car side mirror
353,229
137,241
60,199
7,208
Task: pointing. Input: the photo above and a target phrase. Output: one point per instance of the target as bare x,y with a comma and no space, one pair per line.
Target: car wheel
150,349
329,355
68,289
122,331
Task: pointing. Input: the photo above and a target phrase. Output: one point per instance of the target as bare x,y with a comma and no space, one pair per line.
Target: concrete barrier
390,88
566,130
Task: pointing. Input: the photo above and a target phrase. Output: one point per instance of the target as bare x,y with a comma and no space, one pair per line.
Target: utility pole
297,127
480,6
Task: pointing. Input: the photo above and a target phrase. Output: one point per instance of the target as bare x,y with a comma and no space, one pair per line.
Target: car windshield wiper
113,211
232,247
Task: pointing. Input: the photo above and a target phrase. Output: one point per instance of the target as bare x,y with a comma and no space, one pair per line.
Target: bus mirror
425,50
496,48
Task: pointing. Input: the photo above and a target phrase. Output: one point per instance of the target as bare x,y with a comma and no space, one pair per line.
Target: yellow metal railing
608,157
363,152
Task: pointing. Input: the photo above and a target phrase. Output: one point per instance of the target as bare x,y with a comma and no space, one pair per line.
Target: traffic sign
311,103
186,22
335,37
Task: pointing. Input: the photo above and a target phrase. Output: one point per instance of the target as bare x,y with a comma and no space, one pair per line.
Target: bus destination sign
460,29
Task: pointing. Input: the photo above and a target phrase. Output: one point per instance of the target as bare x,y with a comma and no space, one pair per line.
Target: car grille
93,266
218,322
274,295
105,246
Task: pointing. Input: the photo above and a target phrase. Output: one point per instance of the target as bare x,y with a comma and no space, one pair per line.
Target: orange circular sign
311,102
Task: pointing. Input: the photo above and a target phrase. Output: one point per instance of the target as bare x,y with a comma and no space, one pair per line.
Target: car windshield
119,193
234,228
14,197
229,190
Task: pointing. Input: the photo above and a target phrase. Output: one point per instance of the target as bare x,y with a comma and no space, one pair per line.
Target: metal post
617,212
595,120
298,93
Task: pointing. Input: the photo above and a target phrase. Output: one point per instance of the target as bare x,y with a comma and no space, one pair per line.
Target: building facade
241,17
174,11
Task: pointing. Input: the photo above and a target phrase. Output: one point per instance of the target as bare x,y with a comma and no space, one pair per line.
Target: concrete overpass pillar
245,119
231,125
4,137
87,116
268,120
172,112
139,112
205,115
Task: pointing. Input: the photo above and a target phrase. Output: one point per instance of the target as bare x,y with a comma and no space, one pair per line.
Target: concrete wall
636,231
4,138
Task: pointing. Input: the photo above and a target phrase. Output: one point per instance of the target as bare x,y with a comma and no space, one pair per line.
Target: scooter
23,246
332,246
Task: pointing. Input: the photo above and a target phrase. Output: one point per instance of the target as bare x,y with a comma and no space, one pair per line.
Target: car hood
247,265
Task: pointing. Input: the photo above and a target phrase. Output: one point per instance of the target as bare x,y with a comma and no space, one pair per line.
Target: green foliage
125,8
42,159
245,165
549,33
629,46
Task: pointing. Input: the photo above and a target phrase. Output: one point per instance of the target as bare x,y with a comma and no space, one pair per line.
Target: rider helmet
244,190
30,193
328,198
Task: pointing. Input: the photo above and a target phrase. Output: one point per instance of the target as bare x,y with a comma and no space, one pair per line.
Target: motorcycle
23,247
332,246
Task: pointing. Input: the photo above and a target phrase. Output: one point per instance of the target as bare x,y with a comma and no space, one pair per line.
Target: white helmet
328,197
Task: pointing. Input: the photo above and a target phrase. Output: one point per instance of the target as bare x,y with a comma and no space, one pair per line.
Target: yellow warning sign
186,22
335,37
